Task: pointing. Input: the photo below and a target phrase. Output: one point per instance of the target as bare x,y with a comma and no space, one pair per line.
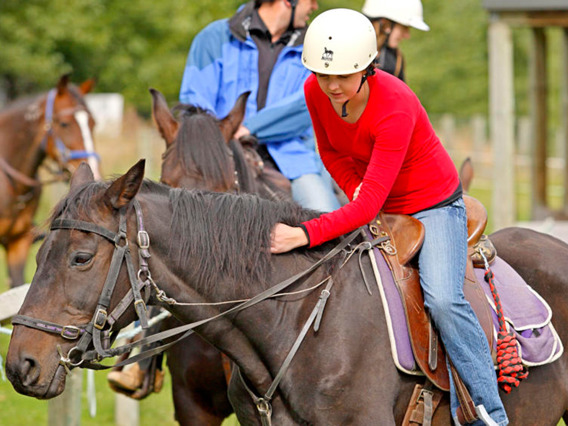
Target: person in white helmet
392,20
376,140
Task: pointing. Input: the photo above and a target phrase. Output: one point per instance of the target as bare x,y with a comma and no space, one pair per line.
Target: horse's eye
81,259
64,124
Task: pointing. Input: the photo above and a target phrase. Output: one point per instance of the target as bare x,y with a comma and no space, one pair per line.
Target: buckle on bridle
100,319
70,332
143,240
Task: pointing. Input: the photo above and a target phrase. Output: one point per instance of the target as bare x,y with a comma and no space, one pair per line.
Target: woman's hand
285,238
241,131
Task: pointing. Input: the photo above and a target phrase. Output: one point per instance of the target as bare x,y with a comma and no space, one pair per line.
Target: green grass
21,410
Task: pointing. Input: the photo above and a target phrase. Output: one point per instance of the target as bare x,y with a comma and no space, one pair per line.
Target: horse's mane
200,145
227,235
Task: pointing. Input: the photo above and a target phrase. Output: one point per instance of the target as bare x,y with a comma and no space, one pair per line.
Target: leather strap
423,403
466,411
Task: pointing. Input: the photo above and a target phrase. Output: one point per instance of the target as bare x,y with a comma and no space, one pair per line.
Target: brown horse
201,153
57,125
210,247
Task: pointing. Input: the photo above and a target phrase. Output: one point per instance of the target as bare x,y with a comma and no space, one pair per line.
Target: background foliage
131,45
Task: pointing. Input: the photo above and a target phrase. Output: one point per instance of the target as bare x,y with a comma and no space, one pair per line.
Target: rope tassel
510,366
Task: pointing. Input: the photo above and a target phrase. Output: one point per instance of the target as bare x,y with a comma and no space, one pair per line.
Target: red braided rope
509,363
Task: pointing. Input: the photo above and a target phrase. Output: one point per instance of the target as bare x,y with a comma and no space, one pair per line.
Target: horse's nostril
30,372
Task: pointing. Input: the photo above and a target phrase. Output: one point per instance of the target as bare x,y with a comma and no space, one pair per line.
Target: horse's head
200,152
68,136
72,301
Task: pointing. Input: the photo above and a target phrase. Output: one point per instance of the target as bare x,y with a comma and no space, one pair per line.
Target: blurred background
129,46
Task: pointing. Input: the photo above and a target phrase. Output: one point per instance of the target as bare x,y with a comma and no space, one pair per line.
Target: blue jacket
223,63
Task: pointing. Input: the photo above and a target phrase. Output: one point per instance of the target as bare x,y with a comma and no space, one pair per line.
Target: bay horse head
67,136
58,334
200,150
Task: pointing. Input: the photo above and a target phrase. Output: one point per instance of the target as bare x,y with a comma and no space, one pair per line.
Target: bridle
99,331
65,154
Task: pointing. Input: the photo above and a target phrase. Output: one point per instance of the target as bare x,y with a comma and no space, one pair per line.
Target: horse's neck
221,332
21,134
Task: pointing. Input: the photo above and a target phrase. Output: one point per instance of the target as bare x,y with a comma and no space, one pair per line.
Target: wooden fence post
65,410
501,108
126,411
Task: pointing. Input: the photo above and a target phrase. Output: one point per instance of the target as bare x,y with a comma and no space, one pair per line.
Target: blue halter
65,153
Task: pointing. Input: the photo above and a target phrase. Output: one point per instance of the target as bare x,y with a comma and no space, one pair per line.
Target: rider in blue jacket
259,50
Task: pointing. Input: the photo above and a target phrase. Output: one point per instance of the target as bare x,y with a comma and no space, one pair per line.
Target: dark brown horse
201,153
57,125
211,247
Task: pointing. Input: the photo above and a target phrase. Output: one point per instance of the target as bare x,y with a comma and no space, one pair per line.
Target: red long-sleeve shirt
392,149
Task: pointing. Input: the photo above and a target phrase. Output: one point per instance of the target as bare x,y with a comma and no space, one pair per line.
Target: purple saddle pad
526,313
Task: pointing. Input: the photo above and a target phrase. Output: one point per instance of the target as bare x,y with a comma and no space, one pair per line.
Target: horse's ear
86,86
230,124
82,175
466,174
167,124
62,84
124,189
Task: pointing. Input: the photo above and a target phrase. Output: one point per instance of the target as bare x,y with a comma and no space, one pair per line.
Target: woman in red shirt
376,140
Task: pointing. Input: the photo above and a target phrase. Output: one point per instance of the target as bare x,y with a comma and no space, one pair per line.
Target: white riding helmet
339,41
404,12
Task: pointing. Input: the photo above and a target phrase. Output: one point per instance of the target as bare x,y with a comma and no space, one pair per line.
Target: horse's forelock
77,95
200,145
78,203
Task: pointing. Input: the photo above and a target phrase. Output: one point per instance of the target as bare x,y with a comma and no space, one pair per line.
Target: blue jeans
315,191
442,262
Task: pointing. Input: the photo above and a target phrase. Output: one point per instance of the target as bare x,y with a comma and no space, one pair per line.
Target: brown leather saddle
406,237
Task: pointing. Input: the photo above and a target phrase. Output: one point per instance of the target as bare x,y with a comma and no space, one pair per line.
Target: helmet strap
344,108
293,4
363,80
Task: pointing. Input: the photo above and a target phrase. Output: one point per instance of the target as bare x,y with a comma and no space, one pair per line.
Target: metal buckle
139,302
100,319
70,332
388,248
143,240
121,236
422,393
264,408
374,229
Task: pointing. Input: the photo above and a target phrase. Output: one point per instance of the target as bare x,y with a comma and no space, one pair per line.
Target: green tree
132,45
